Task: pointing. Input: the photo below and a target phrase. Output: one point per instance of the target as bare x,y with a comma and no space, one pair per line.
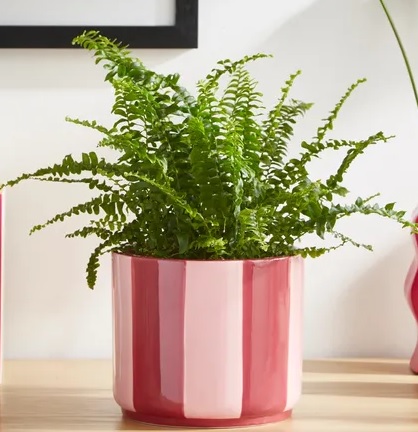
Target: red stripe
158,385
266,334
146,343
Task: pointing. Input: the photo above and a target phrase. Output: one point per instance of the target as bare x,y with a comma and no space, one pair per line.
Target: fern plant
206,176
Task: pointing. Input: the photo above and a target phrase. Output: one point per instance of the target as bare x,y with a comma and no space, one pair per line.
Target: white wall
354,302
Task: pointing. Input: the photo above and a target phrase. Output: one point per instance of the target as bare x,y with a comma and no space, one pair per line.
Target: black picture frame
183,34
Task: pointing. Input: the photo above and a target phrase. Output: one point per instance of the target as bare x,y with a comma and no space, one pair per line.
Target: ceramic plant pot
207,343
411,293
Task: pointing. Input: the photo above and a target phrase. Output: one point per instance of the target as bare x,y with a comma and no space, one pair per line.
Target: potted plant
411,281
205,216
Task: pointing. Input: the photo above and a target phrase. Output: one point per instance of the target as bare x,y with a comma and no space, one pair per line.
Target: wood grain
339,396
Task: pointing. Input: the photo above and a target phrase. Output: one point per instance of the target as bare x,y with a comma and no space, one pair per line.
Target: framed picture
137,23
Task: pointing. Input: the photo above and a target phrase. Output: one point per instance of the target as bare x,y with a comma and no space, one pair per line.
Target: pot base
206,423
413,364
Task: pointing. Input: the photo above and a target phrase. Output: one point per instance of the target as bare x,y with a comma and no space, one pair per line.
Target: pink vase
207,343
411,293
1,283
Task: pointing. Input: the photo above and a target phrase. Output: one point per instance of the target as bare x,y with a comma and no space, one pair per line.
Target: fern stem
402,48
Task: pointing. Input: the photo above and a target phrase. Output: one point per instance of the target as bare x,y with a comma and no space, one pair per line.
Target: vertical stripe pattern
213,340
146,336
207,343
122,331
171,314
295,358
266,334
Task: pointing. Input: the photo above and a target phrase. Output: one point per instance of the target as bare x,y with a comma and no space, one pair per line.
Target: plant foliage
205,176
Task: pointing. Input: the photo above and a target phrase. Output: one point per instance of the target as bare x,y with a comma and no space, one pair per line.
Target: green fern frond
211,82
106,203
91,182
90,124
329,121
344,239
206,176
356,150
278,127
88,231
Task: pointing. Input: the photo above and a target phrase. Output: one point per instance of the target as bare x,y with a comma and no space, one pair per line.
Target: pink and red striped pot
207,343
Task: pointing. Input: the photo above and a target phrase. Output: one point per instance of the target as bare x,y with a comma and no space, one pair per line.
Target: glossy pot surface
411,292
207,343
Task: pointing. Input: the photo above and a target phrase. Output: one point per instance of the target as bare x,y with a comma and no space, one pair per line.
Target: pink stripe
171,304
294,372
122,327
213,381
266,330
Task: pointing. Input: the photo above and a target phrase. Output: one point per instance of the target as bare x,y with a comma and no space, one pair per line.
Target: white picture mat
88,12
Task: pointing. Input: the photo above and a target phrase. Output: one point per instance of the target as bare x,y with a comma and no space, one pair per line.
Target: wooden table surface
339,396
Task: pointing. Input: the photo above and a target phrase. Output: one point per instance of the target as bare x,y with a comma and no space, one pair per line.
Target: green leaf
183,240
207,173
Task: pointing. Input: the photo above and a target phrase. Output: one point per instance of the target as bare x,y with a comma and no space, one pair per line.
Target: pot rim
150,258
